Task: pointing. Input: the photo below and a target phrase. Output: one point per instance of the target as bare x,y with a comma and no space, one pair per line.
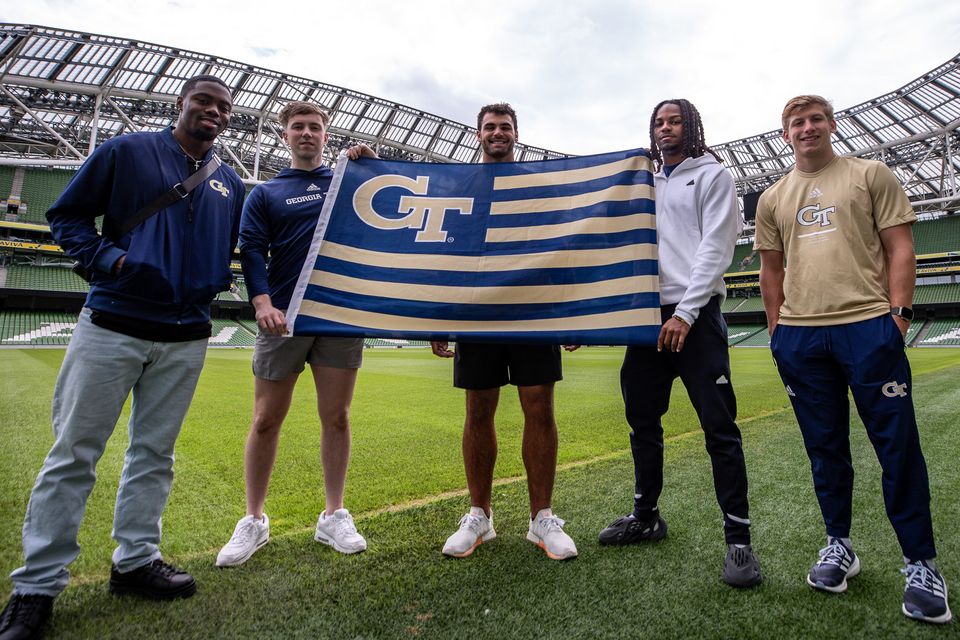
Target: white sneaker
339,532
475,529
546,531
250,534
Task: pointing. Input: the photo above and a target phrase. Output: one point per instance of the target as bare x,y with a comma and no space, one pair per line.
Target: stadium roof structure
63,91
914,130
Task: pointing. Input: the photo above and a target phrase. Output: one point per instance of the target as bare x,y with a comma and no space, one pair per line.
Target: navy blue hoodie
279,219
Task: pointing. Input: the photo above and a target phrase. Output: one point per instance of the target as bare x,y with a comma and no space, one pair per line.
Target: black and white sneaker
836,564
925,595
741,568
630,530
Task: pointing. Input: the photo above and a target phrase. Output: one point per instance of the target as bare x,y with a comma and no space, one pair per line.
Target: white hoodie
698,221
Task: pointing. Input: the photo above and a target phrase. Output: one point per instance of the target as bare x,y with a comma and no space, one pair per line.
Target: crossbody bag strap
178,192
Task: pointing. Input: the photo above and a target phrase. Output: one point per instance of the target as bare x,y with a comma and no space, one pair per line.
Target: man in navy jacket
143,329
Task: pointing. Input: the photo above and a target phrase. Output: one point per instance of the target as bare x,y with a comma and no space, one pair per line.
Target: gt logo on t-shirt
813,214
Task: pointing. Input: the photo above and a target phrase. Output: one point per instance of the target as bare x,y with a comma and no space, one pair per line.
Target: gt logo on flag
418,211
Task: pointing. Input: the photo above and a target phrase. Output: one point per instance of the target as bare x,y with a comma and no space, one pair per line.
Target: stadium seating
937,293
730,304
758,339
249,325
227,333
34,328
41,188
942,333
937,236
43,278
737,333
753,303
6,181
912,332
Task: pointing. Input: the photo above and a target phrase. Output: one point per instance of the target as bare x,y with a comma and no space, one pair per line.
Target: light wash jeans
99,371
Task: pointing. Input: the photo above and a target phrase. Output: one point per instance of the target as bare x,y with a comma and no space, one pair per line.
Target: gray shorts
276,357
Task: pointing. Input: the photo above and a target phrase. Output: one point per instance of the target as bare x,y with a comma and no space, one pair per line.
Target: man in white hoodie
698,221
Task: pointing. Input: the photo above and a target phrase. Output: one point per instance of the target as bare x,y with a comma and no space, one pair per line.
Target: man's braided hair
692,142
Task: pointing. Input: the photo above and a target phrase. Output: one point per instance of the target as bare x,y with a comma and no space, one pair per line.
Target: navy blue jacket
178,259
279,219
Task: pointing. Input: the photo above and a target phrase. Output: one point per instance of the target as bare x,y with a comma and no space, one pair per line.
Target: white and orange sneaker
475,529
546,531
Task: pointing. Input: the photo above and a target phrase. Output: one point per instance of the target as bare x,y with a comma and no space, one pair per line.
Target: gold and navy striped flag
559,251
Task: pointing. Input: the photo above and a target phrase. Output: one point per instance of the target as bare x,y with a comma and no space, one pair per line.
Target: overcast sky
582,75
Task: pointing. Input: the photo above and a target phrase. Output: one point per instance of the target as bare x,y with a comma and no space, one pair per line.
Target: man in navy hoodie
698,221
143,329
279,219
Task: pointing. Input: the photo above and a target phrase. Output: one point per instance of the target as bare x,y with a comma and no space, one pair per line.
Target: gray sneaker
475,529
741,568
546,531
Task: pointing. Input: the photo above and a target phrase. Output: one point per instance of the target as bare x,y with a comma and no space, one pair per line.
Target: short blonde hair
803,102
301,107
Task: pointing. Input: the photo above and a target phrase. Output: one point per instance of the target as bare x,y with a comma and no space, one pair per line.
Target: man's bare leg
334,395
271,401
539,444
480,445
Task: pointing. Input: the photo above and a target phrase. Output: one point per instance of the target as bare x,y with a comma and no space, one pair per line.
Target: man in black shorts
481,369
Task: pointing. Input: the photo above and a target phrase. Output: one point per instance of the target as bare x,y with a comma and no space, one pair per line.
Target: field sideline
406,489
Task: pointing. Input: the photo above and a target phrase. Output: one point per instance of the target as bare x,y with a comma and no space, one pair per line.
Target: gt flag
559,252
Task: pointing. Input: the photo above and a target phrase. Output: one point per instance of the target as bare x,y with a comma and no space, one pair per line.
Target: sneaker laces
164,569
344,527
919,576
471,522
833,554
552,523
244,532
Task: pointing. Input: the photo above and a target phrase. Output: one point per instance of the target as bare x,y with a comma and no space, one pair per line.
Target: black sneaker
157,581
25,616
925,596
836,564
629,530
741,568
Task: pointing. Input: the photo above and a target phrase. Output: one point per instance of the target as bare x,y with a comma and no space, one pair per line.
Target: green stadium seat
942,333
41,188
227,333
738,333
44,278
36,328
937,236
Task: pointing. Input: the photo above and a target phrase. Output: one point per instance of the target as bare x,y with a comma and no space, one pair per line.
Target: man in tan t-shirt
837,316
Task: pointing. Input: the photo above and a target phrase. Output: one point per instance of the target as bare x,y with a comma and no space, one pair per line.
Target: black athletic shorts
486,366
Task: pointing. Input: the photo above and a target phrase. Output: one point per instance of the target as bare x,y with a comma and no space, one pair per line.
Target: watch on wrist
904,312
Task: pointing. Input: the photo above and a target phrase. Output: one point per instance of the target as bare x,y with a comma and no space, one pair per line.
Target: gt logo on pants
892,390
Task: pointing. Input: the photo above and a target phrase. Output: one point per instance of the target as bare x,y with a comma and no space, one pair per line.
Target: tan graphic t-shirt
827,225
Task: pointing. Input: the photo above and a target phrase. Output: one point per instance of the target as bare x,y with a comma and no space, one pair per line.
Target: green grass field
405,488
